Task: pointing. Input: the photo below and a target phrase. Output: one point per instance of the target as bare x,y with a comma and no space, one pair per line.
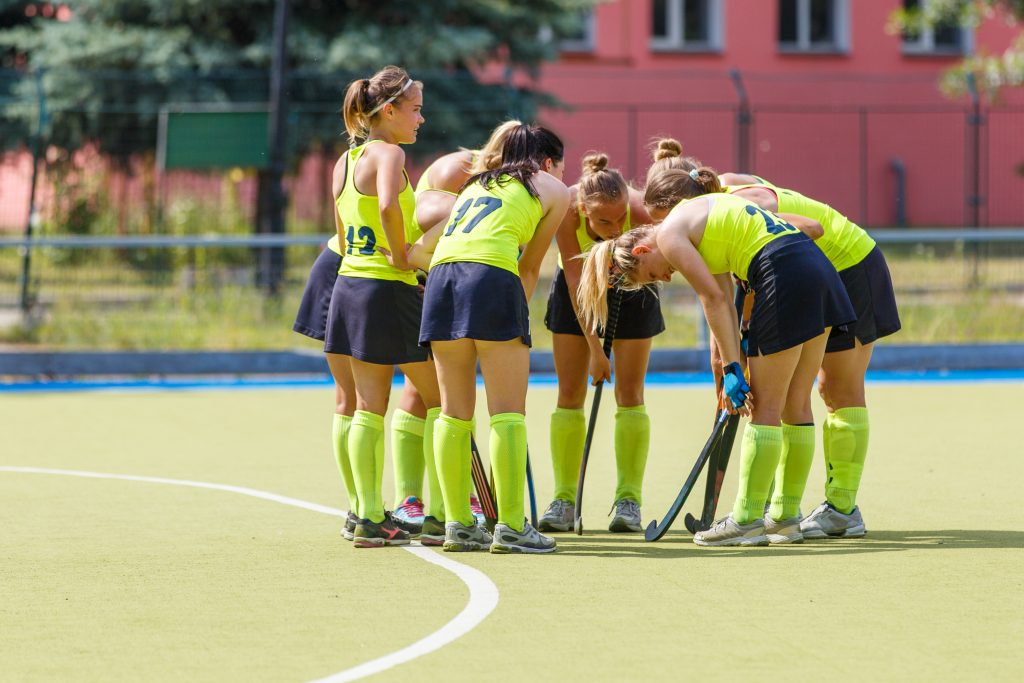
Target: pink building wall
830,125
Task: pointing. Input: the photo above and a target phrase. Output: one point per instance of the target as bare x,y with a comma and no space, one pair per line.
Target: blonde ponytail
603,262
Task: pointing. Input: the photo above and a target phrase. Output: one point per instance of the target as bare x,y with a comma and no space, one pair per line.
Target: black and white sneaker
348,531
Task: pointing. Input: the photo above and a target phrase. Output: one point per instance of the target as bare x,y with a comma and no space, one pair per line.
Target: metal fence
204,292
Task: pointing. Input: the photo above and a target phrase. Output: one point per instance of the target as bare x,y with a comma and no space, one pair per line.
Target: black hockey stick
720,457
483,488
718,463
656,530
614,300
533,495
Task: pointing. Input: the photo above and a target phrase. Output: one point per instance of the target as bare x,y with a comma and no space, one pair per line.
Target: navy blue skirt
465,300
311,320
869,286
797,295
375,321
639,313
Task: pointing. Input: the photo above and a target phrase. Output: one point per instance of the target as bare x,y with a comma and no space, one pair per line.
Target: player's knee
629,396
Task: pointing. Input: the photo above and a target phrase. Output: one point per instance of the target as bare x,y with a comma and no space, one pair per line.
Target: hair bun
668,148
595,163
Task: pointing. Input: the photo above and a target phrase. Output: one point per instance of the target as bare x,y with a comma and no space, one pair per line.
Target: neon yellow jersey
360,217
334,244
844,242
488,225
583,238
736,230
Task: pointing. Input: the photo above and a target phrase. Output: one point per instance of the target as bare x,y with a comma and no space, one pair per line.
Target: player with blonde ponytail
374,316
605,208
798,299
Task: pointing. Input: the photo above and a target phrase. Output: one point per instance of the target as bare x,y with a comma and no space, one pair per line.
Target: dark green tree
109,65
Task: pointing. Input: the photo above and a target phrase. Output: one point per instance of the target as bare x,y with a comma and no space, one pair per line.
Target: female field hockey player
865,275
605,208
376,305
799,299
475,310
436,191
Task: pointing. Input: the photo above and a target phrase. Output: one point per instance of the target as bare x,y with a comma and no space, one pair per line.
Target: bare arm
337,185
738,179
554,196
807,226
390,181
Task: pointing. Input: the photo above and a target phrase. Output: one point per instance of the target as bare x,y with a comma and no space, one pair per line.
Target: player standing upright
475,309
376,305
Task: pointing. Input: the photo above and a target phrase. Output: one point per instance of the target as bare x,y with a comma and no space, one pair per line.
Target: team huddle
792,290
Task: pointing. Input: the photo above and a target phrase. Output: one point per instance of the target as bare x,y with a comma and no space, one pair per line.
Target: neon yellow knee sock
407,454
791,473
366,454
632,439
759,455
568,432
846,434
452,457
339,439
435,499
508,458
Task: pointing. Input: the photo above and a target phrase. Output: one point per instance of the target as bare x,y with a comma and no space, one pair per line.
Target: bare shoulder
684,222
451,171
762,196
738,179
552,191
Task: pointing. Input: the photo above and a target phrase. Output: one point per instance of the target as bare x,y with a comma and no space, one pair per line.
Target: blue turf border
665,379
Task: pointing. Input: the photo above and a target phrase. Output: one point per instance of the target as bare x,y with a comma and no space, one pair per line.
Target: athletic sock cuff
747,510
803,434
625,410
765,434
342,420
403,421
433,413
568,413
464,425
365,418
855,417
507,418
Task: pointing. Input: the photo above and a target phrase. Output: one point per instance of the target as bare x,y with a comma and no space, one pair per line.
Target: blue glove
734,385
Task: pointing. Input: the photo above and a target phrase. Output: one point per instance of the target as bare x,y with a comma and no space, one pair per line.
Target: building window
944,38
814,25
686,25
583,39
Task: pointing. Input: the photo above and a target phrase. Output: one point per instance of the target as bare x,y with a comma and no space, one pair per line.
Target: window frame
924,44
841,39
589,40
675,41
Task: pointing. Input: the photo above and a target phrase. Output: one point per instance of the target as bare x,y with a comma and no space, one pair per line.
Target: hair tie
694,173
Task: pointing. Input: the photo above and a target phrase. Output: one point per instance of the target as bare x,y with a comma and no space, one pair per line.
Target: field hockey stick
533,494
655,529
720,458
614,301
483,487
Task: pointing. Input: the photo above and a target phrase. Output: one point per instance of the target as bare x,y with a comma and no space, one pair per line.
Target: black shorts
375,321
797,295
639,313
465,300
311,320
870,288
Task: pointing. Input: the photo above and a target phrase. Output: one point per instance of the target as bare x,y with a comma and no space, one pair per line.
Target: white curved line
483,594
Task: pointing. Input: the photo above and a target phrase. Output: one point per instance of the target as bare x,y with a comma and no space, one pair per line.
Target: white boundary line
483,594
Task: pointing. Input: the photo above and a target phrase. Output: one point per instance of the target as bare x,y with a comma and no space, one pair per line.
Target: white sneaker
559,516
461,538
783,530
529,540
727,532
827,522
